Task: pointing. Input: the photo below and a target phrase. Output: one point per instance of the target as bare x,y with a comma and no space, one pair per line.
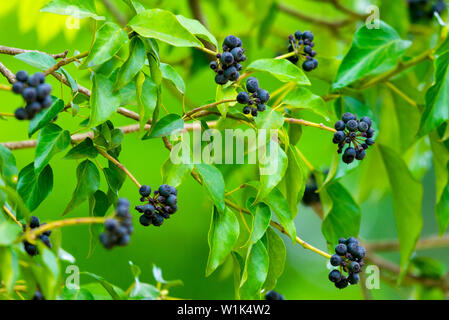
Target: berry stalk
9,214
309,124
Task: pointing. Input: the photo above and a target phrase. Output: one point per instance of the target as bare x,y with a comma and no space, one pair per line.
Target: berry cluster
424,9
38,295
302,44
34,91
273,295
118,230
31,249
350,130
348,257
159,207
227,65
254,98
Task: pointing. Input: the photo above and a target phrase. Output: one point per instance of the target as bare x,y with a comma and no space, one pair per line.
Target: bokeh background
180,247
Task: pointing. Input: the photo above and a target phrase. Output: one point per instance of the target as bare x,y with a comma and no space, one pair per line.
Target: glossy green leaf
38,60
373,52
34,188
174,174
277,254
108,41
225,93
195,27
8,169
269,120
115,292
437,100
282,69
166,126
8,232
272,166
79,9
146,97
255,272
51,140
163,25
46,116
88,182
343,219
295,179
223,235
214,183
104,102
9,268
261,220
407,203
302,98
442,210
169,73
133,64
84,149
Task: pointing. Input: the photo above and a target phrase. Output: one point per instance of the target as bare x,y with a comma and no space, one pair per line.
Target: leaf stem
309,124
119,165
5,87
208,51
10,214
401,93
207,106
287,55
65,61
2,114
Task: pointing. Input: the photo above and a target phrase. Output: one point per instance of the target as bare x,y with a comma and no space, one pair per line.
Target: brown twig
427,243
7,73
64,62
15,51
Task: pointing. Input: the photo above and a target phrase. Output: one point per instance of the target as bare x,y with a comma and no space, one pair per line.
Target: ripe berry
232,41
360,252
213,65
363,126
145,221
158,220
273,295
237,53
17,87
20,114
308,49
341,249
352,125
38,296
354,267
367,120
22,76
261,107
227,58
343,283
34,222
36,79
252,84
220,79
171,200
353,278
336,260
349,155
246,110
243,97
348,116
339,125
263,95
145,190
164,190
254,112
34,107
369,141
46,240
342,240
370,133
307,35
339,136
352,248
231,73
29,94
335,276
298,35
308,65
360,154
111,225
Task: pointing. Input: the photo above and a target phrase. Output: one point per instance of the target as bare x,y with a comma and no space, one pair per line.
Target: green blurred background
180,247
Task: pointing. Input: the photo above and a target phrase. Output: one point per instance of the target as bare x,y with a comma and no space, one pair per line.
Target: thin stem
309,124
287,55
208,51
32,234
15,51
236,189
10,214
64,62
2,114
118,164
304,159
4,87
279,90
207,106
426,243
401,94
16,288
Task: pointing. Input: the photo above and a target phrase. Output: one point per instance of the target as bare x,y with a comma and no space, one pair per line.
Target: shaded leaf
34,188
282,69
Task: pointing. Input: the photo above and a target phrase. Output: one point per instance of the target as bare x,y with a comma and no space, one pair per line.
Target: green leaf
8,233
88,182
115,292
163,25
269,120
169,73
282,69
79,9
108,41
8,166
437,100
442,210
157,273
223,235
277,254
272,166
34,188
225,93
166,126
295,179
255,272
84,149
146,97
407,204
373,51
38,60
133,64
343,219
302,98
195,27
214,183
51,140
261,220
9,268
104,101
173,174
46,116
